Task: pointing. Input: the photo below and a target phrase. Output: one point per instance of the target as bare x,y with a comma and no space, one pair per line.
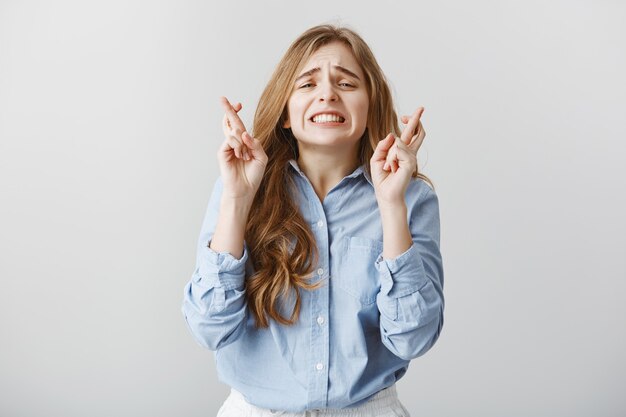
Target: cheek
292,113
362,110
295,112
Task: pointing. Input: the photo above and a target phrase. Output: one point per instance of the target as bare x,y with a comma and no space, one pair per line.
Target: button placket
318,377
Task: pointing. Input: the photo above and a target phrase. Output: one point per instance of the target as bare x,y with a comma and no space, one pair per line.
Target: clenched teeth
324,118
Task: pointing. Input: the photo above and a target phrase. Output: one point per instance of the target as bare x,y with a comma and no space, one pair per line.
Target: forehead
334,53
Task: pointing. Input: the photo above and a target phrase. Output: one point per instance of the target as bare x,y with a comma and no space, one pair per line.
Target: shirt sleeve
214,305
411,301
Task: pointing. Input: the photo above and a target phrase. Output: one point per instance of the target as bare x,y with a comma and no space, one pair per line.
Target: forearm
231,226
411,301
396,233
214,303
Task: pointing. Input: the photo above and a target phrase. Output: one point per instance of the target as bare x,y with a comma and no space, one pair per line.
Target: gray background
109,125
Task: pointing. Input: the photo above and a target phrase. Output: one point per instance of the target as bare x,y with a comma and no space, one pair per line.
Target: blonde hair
282,245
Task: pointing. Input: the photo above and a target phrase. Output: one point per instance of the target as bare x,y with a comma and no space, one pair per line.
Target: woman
319,275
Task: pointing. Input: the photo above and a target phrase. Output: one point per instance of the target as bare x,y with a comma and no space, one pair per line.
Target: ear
284,116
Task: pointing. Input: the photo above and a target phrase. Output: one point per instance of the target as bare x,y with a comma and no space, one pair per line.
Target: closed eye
342,84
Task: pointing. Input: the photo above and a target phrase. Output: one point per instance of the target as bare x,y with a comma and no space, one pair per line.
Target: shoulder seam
420,179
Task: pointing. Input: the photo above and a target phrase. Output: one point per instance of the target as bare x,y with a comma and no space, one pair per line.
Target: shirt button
320,320
320,272
319,366
320,223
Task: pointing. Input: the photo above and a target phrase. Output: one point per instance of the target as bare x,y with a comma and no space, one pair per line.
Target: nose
327,92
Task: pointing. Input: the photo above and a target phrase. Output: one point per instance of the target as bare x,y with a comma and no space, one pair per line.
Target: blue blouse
356,334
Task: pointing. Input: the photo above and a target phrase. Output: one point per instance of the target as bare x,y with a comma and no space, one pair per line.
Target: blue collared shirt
356,334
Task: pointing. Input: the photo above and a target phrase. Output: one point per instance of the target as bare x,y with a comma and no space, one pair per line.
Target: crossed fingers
413,136
233,128
231,119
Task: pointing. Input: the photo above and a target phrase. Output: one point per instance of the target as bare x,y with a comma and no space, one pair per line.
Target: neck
326,167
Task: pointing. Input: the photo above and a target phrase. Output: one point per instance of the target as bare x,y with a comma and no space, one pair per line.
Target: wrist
392,207
237,208
396,234
393,219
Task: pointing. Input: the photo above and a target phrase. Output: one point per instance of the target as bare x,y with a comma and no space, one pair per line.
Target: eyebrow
317,69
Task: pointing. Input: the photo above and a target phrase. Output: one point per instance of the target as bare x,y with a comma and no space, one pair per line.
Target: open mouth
327,118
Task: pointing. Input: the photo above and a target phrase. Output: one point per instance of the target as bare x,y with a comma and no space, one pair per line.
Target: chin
329,140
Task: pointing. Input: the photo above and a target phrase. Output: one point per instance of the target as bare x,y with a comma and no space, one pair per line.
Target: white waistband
383,399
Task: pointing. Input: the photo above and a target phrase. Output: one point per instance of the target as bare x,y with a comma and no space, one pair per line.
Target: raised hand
390,186
241,157
395,160
413,136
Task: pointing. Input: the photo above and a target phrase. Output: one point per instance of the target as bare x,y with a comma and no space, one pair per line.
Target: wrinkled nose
327,93
329,97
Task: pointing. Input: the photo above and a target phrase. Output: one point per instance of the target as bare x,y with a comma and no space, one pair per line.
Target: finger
401,152
248,152
391,156
228,149
254,147
417,139
225,104
236,145
251,142
393,163
226,123
248,140
413,122
405,119
401,146
380,153
229,129
233,119
407,158
237,107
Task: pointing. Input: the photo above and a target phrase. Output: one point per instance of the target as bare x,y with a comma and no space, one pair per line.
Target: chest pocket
357,274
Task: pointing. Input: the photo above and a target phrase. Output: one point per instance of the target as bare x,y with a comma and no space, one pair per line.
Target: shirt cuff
221,269
403,274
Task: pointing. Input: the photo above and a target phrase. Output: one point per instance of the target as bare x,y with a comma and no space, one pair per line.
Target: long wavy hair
282,245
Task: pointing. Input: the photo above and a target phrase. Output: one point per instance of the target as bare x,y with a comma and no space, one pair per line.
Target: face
329,101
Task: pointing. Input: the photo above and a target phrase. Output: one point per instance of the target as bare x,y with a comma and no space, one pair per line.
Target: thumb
253,144
383,147
387,142
249,141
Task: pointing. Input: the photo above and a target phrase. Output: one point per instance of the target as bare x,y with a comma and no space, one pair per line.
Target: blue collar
359,171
